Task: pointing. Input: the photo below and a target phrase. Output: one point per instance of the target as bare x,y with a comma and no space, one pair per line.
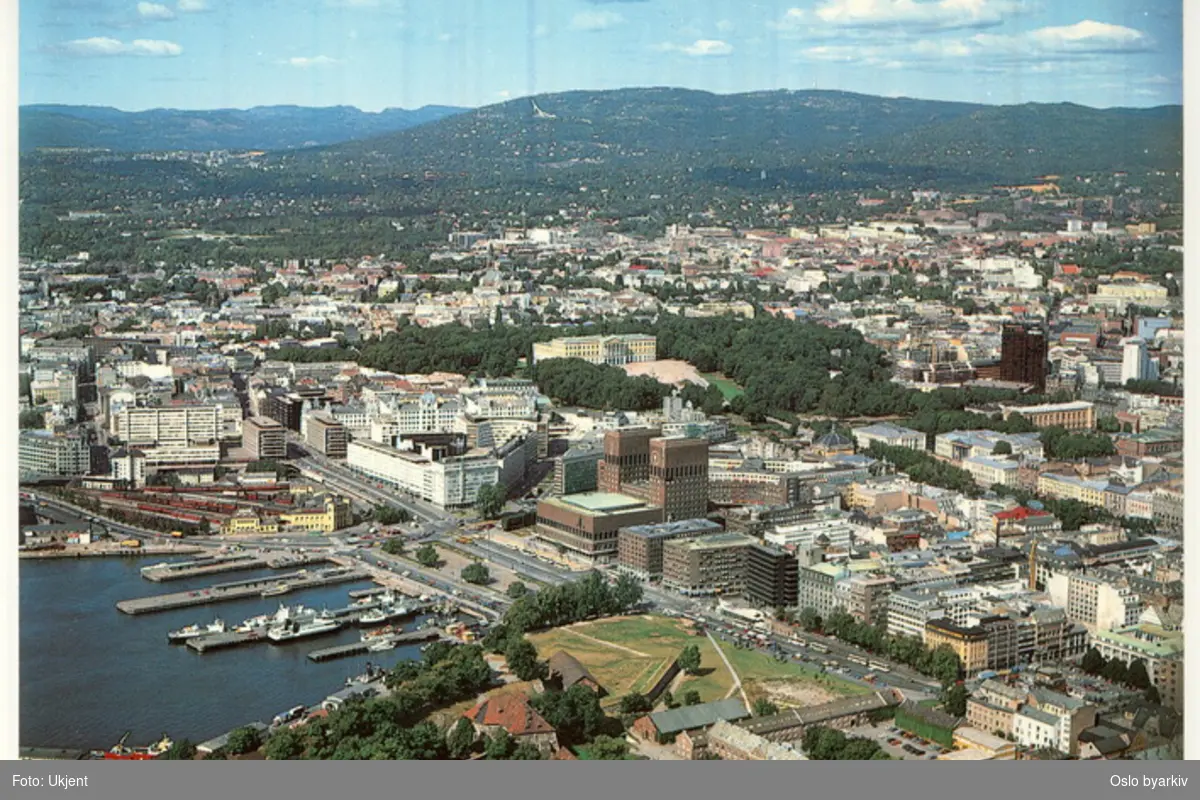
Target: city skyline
211,54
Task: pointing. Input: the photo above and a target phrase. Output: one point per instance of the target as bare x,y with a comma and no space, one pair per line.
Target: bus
857,659
820,648
879,666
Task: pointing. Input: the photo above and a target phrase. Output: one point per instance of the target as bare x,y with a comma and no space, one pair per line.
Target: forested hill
259,128
807,139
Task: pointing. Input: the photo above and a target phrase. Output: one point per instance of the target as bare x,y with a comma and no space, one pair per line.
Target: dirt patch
670,372
790,693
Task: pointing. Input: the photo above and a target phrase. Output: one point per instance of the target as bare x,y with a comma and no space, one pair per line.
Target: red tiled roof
511,712
1020,512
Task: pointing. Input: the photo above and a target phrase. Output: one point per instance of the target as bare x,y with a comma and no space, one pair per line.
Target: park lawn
622,672
753,666
728,388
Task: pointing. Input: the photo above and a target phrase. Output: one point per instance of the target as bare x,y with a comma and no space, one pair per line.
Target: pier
358,648
221,564
238,590
221,641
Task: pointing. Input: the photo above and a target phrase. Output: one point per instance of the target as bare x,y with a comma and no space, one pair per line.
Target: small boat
378,633
383,644
192,631
121,752
276,590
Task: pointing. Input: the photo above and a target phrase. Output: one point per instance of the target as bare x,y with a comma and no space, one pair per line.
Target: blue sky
379,53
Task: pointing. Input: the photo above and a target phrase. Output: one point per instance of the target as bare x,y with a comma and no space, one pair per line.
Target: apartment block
707,565
326,435
772,576
640,547
264,438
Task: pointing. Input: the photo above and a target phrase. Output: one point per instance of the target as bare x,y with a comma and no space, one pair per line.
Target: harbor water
89,673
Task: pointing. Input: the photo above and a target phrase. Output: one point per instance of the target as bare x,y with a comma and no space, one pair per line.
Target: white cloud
445,37
724,25
700,48
104,46
304,62
504,94
1088,35
154,11
193,6
154,47
917,14
596,20
541,31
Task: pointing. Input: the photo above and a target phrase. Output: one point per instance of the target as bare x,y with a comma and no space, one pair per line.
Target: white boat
193,631
381,645
300,630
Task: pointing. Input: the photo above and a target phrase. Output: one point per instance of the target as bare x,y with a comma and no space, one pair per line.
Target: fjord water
88,673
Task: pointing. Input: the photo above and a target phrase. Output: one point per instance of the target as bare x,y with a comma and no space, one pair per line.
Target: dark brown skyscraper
626,458
1023,356
679,477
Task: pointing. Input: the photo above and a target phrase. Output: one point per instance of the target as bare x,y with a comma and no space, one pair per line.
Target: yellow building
1070,487
615,350
969,644
333,516
248,522
1075,416
990,746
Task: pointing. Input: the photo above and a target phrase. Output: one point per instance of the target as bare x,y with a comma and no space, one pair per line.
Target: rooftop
691,717
597,503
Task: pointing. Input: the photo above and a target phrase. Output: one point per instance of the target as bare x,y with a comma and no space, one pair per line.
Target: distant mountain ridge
260,128
788,136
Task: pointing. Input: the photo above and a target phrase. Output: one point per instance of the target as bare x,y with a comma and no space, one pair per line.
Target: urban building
616,350
46,453
678,477
325,434
868,597
1094,603
772,577
439,469
888,434
577,470
706,565
626,459
176,425
969,644
1160,649
1136,364
1023,356
1074,416
588,524
264,438
640,547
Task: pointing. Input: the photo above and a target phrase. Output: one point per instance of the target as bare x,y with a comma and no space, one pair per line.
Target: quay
95,551
221,641
221,564
238,590
358,648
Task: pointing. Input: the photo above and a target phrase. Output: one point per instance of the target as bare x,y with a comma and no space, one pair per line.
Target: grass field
728,388
629,654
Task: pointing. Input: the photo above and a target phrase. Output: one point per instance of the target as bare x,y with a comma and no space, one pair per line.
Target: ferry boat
294,629
192,631
382,614
121,752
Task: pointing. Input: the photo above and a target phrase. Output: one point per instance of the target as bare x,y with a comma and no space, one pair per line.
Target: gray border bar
929,780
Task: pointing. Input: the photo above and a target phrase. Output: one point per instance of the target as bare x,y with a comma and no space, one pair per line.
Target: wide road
490,599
